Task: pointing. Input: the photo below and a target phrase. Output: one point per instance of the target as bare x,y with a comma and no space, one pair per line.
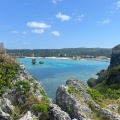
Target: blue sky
49,24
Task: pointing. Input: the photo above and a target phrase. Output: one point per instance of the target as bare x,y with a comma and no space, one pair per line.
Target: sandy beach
68,58
62,58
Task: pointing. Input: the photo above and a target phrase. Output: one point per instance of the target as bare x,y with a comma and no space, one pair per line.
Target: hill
68,52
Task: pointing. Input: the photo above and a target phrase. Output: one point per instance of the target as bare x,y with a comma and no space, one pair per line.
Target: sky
55,24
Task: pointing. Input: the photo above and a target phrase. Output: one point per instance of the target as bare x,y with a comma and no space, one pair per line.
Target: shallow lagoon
55,72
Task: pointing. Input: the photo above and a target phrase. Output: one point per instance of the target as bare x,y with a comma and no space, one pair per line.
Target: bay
55,72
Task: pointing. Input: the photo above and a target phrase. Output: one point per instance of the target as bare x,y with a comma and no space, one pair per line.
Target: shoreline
67,58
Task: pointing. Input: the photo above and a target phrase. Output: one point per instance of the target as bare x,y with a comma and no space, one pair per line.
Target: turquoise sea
55,72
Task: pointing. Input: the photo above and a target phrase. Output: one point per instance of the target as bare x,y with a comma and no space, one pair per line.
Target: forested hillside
66,52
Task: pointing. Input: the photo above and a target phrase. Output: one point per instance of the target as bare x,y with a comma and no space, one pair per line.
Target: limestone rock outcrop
75,104
115,57
57,114
26,92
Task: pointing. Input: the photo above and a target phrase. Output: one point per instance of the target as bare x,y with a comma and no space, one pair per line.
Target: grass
73,90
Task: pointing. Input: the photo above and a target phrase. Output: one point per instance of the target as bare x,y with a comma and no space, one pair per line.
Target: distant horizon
58,48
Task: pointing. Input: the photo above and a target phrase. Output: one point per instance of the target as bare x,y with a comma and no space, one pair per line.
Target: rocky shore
74,99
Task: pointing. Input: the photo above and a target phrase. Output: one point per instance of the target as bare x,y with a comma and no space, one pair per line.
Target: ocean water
55,72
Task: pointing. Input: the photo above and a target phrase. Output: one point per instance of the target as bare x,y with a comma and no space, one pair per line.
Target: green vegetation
69,52
42,107
73,90
119,109
106,89
28,104
91,82
95,94
69,109
24,89
114,75
91,105
24,86
104,93
8,72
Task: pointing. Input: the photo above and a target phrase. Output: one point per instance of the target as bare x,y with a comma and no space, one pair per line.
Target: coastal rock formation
112,74
29,116
74,100
24,98
115,57
57,114
113,71
110,115
106,88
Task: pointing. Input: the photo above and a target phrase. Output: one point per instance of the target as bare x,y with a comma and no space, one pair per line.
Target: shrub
30,101
24,86
91,82
8,72
72,90
95,93
114,75
91,105
42,107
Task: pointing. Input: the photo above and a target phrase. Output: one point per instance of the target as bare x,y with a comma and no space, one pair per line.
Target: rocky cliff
106,88
74,98
22,97
101,101
112,74
115,57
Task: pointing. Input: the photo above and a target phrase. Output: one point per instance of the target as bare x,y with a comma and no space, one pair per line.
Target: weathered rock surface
115,57
6,109
6,106
108,114
29,116
76,106
23,73
14,97
58,114
4,116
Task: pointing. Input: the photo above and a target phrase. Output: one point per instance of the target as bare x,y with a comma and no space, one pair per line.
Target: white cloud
38,31
106,21
80,18
117,5
63,17
38,25
55,1
24,32
55,33
15,32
